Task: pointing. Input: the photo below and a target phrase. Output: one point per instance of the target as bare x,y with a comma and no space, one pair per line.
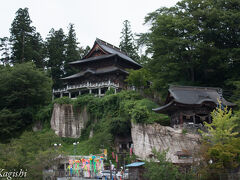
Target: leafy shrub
140,114
63,100
110,91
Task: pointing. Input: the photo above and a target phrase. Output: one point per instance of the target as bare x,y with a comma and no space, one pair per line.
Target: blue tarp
135,164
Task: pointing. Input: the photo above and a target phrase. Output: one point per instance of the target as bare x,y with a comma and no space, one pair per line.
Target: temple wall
68,122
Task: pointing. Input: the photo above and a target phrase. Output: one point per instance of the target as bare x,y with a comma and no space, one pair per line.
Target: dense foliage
161,168
56,55
127,43
32,152
221,145
194,43
27,44
111,116
24,89
72,51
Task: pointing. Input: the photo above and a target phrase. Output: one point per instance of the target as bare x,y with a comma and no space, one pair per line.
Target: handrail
87,85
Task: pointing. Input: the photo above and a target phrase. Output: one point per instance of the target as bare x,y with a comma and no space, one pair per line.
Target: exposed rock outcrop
154,136
67,121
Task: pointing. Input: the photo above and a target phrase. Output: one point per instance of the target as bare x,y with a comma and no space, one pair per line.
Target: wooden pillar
194,121
61,94
69,94
79,93
181,119
99,91
90,91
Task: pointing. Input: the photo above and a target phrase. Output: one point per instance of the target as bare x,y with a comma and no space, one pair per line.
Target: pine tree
83,51
4,51
127,43
26,42
72,50
56,56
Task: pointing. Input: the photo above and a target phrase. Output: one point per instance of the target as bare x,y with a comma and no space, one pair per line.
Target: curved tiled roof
190,95
107,48
114,50
197,95
97,71
93,58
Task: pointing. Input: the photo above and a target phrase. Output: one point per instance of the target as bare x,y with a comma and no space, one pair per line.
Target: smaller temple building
189,105
103,67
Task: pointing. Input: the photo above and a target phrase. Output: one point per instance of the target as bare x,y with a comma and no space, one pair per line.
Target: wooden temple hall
191,105
104,67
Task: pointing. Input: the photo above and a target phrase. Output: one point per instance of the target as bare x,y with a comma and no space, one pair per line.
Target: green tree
5,51
221,129
194,43
24,89
56,55
127,43
32,151
83,51
138,78
72,50
161,168
222,144
26,43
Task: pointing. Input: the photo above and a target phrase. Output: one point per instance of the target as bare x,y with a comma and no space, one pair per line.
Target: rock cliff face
68,122
148,137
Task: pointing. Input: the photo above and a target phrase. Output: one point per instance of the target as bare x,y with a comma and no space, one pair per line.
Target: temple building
103,67
191,105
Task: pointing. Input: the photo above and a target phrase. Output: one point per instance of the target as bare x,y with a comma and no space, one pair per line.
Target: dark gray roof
108,48
96,71
114,50
93,58
196,95
164,107
190,95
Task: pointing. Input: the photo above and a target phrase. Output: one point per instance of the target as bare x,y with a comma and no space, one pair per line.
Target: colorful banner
86,166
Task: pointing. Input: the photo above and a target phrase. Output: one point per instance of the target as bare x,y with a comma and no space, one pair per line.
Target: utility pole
110,169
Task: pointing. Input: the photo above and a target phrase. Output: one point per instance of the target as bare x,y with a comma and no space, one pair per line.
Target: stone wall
67,121
147,137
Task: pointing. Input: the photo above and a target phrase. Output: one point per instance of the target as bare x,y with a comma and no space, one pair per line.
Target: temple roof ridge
172,86
110,45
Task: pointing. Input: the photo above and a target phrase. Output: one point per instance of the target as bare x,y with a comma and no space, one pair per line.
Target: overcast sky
92,18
